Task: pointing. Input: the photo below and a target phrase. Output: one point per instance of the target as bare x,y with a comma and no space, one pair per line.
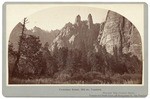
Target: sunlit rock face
119,33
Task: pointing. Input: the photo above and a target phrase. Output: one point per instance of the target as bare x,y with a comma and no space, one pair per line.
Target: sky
54,16
57,17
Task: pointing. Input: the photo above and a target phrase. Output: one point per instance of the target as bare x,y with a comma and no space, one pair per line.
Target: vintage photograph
75,45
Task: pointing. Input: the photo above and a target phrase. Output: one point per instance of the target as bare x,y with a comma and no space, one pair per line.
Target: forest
38,65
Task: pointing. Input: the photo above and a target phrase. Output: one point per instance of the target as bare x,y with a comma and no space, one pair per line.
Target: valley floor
115,79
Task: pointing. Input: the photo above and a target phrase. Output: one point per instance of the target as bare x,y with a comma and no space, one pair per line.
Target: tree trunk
15,69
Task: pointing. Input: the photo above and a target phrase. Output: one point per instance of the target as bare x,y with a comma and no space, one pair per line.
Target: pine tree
15,69
31,60
50,65
11,58
62,57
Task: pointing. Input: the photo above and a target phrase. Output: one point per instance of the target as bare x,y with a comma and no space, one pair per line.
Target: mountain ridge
116,29
44,36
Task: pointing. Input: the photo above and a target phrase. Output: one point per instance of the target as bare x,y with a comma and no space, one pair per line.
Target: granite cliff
118,32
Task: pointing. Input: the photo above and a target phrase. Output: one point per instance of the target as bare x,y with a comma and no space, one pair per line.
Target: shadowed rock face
15,34
120,33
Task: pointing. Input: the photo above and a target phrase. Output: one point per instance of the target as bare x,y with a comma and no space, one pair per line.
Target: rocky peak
90,21
78,20
74,36
36,29
15,34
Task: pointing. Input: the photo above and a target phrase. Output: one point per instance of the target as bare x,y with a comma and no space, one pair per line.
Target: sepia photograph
75,45
78,49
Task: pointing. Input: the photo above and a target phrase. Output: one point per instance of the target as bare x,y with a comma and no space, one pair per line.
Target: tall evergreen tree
15,69
30,61
11,58
62,57
50,64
